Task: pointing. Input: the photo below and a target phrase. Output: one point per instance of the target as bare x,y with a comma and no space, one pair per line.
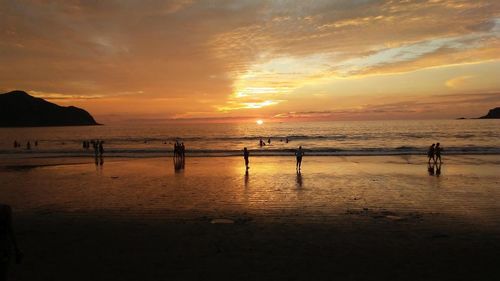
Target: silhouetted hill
492,114
19,109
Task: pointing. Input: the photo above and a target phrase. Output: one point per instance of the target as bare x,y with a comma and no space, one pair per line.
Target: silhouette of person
36,143
28,145
430,153
246,154
269,140
286,140
430,169
437,152
299,153
179,153
101,148
261,142
96,147
7,240
15,143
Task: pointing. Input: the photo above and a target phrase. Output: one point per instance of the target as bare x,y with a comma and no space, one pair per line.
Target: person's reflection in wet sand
438,170
299,179
246,179
98,160
179,164
430,169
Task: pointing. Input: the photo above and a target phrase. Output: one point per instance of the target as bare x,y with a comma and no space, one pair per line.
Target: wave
325,151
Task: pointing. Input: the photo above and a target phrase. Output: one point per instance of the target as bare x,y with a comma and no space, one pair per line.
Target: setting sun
260,122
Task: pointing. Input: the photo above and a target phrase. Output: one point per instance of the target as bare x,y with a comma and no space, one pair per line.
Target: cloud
244,56
458,82
450,106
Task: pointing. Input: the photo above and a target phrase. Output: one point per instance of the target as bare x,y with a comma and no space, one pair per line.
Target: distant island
492,114
19,109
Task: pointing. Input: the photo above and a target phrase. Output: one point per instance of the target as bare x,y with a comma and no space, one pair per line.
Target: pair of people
179,153
298,154
434,153
179,149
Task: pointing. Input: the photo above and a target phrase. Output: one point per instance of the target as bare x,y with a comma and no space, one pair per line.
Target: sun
260,122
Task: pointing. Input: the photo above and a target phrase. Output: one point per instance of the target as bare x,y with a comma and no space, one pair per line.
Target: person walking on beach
246,154
96,147
7,240
299,153
101,148
437,152
430,153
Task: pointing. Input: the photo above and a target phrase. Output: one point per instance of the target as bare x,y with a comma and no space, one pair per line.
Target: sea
343,138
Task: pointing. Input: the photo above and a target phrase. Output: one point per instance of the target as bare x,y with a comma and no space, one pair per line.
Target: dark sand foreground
343,218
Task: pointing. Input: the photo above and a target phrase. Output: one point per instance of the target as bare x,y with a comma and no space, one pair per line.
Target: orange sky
236,60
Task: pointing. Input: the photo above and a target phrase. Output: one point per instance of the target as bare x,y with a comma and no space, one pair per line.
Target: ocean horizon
342,138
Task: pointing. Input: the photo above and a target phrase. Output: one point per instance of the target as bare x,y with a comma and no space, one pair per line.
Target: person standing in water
101,148
246,154
299,153
437,152
430,153
7,240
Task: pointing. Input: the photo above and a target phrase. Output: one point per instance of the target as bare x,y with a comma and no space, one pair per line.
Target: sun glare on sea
260,122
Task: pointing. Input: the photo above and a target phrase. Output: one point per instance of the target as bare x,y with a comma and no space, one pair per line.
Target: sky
234,61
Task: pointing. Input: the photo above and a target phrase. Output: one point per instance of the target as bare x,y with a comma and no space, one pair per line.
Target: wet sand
354,218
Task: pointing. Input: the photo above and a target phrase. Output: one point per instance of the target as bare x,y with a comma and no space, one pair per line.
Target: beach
345,218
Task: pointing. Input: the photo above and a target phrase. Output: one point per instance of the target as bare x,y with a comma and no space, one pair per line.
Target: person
430,153
96,147
269,140
261,142
28,145
246,154
36,143
7,240
101,148
177,148
437,152
183,150
299,153
15,144
286,140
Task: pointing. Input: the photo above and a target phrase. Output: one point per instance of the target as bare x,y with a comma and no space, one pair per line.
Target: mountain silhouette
492,114
19,109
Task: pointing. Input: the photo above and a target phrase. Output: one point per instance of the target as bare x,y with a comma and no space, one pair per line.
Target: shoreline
13,163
